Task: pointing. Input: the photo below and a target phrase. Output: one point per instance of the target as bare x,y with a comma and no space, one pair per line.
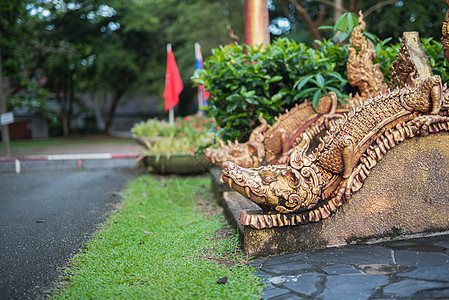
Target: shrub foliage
245,82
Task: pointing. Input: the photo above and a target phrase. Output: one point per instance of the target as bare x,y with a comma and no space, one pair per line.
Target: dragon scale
375,116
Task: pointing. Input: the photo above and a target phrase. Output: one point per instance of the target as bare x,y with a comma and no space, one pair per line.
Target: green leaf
350,22
343,36
371,36
336,76
249,94
306,92
302,82
236,116
319,80
338,24
233,97
323,59
386,40
325,27
276,78
277,97
344,23
355,21
232,106
335,90
251,101
316,98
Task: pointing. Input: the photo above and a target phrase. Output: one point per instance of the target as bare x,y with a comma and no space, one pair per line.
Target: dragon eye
236,152
269,175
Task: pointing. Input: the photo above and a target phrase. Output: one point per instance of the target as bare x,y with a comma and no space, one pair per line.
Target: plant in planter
152,130
176,148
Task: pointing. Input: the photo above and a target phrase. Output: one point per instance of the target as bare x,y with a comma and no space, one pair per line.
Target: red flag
173,82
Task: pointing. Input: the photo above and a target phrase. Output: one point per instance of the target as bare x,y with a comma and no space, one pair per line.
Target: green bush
245,81
434,51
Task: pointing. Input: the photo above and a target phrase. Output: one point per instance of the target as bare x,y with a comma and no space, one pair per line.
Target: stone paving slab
419,270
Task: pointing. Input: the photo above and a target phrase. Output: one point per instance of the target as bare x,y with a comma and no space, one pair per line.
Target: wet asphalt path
46,213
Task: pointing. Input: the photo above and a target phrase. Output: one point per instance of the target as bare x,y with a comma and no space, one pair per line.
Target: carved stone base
407,193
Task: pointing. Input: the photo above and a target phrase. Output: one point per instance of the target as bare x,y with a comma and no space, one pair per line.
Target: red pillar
256,22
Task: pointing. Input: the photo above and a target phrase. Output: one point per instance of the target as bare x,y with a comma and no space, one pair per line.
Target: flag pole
171,113
200,94
173,85
171,116
200,100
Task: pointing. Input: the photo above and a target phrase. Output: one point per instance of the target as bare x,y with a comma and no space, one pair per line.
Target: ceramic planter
182,163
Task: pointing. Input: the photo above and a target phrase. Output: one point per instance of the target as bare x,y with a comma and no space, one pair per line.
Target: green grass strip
51,142
163,243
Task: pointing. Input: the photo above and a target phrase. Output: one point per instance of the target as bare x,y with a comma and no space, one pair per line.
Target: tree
392,20
67,37
17,66
132,59
298,19
388,18
189,27
20,67
114,48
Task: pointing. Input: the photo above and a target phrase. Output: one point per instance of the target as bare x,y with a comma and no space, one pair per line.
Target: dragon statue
274,144
315,182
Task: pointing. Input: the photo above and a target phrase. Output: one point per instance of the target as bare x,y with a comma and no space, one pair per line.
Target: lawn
167,240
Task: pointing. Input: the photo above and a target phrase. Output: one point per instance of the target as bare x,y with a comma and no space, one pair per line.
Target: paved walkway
408,269
50,208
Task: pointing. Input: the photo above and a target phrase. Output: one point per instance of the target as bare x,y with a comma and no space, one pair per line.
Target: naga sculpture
315,183
274,144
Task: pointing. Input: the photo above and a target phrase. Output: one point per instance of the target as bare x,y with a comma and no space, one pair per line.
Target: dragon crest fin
298,159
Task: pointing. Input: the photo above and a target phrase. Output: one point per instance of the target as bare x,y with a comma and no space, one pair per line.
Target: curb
69,156
78,157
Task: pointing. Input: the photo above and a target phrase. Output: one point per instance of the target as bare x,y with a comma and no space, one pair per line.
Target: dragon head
243,154
275,188
248,155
